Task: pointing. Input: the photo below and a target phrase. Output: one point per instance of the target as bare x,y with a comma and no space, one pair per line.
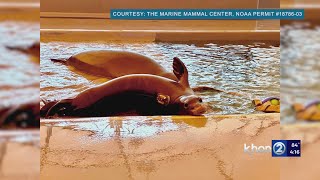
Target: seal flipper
163,99
15,48
205,88
47,106
63,61
180,70
34,49
62,108
22,116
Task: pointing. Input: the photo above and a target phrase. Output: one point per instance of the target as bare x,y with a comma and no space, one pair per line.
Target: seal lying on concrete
33,50
271,104
309,112
149,94
112,64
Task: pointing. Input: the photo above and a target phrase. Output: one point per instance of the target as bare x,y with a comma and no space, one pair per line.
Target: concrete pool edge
306,166
83,35
304,125
173,123
10,133
214,151
237,116
19,154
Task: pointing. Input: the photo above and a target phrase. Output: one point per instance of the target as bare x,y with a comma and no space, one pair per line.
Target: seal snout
193,105
198,109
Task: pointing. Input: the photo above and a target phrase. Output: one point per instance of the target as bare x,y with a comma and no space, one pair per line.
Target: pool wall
76,22
19,10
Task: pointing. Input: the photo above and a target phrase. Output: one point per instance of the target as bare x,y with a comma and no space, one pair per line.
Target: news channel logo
279,148
286,148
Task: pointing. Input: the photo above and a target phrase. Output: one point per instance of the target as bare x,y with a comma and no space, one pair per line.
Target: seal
112,64
33,50
147,93
271,104
310,112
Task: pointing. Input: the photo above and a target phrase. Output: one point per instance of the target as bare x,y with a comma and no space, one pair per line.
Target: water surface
19,76
300,67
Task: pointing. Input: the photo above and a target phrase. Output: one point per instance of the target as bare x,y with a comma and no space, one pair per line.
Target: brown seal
150,94
113,64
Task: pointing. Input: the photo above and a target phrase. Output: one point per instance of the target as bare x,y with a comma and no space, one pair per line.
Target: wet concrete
306,166
19,155
158,147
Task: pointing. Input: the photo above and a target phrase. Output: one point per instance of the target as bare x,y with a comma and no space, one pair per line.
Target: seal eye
186,105
200,100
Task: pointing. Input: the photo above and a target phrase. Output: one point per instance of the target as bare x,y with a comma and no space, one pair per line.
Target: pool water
300,67
250,70
19,76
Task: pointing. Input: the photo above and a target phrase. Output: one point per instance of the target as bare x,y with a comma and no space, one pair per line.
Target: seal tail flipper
3,115
47,106
63,61
44,101
21,49
180,70
205,88
61,108
24,115
212,89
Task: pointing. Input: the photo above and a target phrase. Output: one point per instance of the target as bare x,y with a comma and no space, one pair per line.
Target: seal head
191,105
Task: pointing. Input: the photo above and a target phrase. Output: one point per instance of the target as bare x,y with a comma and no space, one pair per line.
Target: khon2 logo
279,148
